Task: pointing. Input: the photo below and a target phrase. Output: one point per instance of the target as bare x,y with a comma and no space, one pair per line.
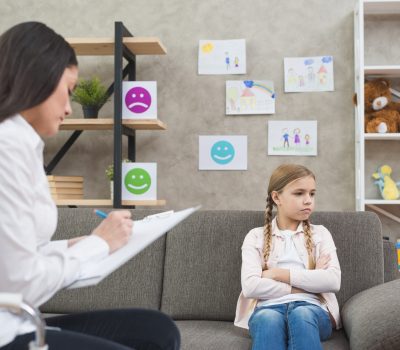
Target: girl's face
295,202
46,117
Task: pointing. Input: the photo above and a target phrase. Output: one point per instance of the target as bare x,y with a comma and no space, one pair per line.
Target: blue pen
100,213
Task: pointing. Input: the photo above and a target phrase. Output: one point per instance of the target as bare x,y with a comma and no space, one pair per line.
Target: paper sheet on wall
145,232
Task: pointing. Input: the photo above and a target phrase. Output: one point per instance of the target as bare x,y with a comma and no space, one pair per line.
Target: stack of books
66,187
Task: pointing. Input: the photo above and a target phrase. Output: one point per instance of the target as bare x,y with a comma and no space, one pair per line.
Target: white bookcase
366,10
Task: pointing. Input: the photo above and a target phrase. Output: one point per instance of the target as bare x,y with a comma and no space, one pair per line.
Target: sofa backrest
203,259
136,284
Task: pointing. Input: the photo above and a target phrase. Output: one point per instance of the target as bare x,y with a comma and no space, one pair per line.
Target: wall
191,105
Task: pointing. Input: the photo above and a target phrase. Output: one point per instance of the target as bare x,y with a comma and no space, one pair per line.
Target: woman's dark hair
32,60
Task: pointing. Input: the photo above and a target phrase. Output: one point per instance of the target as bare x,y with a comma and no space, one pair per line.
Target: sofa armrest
371,318
390,259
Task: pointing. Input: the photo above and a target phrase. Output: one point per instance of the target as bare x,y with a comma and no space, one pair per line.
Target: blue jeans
296,325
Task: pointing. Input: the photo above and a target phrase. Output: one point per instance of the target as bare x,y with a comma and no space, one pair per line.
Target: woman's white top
29,263
290,259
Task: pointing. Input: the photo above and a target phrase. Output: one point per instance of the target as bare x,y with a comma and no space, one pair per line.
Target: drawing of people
236,61
292,77
307,139
301,80
310,74
296,133
323,75
232,95
285,137
227,61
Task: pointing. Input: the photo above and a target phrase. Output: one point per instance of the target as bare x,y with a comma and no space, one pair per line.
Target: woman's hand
115,229
323,262
72,241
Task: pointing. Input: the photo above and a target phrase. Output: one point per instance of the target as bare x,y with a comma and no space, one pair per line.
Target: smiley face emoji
138,100
137,181
222,152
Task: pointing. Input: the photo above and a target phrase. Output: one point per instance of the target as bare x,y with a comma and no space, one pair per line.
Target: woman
38,71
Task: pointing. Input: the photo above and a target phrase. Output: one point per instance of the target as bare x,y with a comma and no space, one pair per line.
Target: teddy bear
382,115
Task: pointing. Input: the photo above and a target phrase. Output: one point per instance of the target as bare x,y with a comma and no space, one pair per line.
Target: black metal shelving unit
121,52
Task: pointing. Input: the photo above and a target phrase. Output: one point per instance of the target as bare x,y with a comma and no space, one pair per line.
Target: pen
100,213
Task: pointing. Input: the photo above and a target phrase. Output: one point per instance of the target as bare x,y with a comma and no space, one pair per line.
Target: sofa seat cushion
202,335
220,335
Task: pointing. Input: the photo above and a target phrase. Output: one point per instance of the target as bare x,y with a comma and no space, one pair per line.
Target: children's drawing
222,56
292,138
223,152
250,97
304,74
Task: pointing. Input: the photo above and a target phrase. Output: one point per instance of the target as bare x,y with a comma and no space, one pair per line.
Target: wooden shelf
381,201
108,124
106,202
105,46
379,7
382,137
387,71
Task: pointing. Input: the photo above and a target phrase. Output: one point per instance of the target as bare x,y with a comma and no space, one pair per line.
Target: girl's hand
297,290
115,229
323,262
268,274
277,274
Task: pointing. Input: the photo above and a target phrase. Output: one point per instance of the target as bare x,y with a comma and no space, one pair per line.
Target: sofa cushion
371,318
358,239
219,335
202,264
203,259
138,283
390,261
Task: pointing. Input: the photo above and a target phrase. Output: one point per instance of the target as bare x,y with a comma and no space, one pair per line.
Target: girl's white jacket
254,287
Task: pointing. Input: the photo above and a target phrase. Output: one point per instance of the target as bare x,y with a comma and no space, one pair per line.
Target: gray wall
191,105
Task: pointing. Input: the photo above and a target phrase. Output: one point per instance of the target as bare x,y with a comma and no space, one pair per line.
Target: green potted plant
91,94
110,175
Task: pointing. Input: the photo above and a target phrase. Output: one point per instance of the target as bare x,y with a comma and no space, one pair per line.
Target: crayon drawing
292,138
222,56
305,74
250,97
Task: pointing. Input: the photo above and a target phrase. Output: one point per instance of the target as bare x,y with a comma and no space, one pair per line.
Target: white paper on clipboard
145,232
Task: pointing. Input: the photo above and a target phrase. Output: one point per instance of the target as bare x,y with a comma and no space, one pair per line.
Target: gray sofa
193,274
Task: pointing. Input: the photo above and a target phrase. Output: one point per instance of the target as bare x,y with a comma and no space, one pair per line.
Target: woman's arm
23,267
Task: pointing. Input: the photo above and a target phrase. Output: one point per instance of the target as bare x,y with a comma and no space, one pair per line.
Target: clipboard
145,232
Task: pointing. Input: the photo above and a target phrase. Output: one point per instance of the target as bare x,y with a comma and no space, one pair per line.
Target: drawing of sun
207,48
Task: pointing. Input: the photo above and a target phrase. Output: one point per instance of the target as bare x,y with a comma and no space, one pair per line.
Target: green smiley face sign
137,181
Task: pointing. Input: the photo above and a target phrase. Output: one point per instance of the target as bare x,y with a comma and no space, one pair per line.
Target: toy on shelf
387,187
382,115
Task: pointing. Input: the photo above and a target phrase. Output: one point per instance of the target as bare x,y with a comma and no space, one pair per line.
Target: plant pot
112,189
90,111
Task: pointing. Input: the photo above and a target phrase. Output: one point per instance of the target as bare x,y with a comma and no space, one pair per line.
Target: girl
290,270
38,71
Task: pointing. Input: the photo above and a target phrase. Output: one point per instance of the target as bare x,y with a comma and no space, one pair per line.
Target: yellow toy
386,185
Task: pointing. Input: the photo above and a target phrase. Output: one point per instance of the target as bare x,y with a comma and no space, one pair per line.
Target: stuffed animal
382,115
387,187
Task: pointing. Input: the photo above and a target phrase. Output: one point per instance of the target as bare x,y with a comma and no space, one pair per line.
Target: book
65,178
57,190
67,196
144,232
66,184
